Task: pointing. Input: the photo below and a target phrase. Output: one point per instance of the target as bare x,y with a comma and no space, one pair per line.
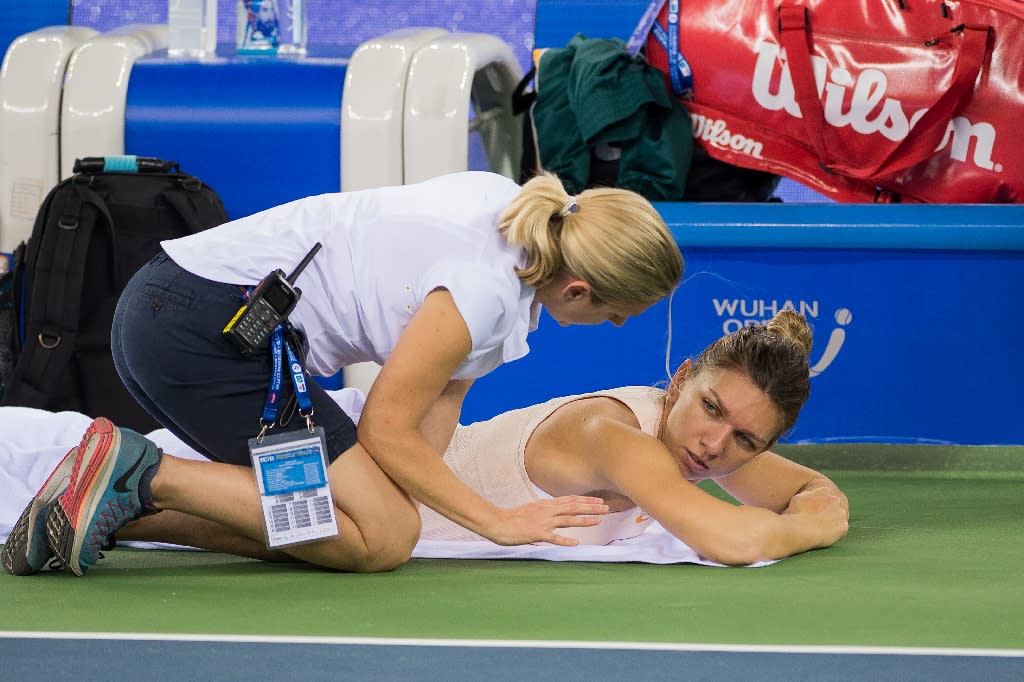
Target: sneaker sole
30,528
92,473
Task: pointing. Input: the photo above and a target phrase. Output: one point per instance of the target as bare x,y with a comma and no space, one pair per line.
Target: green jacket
593,91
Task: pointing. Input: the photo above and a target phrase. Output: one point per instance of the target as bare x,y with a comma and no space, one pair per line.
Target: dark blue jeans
169,349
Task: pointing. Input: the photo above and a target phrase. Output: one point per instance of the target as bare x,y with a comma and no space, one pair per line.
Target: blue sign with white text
910,345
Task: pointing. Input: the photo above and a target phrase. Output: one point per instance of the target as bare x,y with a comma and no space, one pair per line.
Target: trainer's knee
381,560
390,546
383,545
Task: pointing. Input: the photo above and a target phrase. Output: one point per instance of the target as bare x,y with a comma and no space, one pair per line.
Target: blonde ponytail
613,239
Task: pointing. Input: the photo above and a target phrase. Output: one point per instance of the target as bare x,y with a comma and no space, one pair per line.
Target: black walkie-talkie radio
268,306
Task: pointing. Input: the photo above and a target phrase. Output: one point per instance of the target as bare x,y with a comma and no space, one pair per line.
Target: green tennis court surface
933,559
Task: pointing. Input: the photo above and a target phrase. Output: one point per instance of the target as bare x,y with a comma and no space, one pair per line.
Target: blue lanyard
636,41
679,70
278,348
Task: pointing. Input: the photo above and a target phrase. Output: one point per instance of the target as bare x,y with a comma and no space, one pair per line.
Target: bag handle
975,48
124,163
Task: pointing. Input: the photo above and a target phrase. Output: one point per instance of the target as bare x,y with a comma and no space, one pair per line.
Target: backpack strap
18,294
53,314
184,200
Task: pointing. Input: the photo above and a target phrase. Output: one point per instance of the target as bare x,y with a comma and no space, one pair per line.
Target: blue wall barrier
261,131
912,309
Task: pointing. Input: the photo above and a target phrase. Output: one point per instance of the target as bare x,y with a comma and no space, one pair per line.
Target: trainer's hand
826,509
537,521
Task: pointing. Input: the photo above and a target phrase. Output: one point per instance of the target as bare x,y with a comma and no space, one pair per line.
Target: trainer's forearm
413,464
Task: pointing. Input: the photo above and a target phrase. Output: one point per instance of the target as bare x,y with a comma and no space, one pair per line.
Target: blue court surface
104,657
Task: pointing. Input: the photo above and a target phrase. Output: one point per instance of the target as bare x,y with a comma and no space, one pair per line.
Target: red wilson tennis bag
888,100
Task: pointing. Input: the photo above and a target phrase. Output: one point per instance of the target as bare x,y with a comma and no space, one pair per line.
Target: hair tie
570,207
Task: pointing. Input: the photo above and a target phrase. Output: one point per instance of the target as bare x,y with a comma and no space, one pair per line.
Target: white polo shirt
383,251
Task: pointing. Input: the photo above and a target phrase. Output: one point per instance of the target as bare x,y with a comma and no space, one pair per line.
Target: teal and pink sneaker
102,496
27,549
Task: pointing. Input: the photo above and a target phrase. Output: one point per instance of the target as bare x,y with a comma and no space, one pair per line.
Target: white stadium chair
30,100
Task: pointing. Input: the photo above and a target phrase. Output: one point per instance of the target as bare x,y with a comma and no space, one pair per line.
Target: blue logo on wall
737,313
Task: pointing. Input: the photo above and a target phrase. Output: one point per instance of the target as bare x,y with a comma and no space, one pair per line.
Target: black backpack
93,231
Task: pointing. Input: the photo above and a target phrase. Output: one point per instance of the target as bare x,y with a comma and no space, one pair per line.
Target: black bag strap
18,293
60,263
183,199
522,103
522,98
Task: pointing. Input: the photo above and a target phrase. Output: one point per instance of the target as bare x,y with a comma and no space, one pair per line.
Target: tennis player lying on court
640,449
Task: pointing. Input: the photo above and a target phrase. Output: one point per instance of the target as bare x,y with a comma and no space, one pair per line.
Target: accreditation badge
291,471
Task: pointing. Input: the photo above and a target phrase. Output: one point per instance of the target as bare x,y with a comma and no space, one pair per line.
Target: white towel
33,442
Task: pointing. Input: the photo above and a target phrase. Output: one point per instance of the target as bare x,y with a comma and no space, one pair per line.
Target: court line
524,643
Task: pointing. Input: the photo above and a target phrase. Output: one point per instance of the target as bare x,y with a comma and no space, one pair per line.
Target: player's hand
826,509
